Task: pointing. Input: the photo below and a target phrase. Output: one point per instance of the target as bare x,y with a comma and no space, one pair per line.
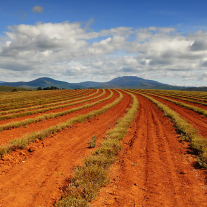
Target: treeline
13,89
49,88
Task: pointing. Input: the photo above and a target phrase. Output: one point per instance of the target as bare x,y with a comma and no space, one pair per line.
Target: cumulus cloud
70,50
37,9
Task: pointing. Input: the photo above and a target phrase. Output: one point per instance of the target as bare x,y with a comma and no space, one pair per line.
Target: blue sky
81,40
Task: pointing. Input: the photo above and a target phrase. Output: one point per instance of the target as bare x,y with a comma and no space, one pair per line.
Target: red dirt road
36,178
154,168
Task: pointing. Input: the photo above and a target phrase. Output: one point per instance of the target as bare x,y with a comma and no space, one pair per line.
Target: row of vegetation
37,101
25,99
22,142
200,96
26,95
198,143
43,110
194,108
192,100
72,98
51,115
90,177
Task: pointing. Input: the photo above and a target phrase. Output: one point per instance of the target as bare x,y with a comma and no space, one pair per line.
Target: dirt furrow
154,168
8,135
41,106
196,120
41,98
38,180
183,101
6,121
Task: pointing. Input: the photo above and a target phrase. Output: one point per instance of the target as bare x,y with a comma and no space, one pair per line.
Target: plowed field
155,168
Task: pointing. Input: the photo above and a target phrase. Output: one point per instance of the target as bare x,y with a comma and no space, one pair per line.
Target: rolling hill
124,82
132,82
43,82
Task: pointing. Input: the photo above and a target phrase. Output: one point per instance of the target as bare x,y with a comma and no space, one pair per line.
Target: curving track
8,135
37,181
154,169
196,120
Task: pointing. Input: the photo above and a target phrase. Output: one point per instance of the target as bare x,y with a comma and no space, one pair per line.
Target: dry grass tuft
89,178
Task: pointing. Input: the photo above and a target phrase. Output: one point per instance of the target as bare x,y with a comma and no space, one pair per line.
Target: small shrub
92,142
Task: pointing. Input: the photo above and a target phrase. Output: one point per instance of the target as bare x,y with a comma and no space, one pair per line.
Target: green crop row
19,102
189,133
16,97
22,142
198,96
50,104
41,100
180,97
42,110
49,116
194,108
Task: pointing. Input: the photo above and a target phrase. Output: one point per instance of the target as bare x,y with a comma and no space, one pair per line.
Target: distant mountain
92,84
196,89
43,83
1,81
132,82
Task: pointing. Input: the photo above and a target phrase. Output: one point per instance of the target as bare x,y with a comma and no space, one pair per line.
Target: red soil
154,169
186,102
8,135
195,119
35,99
5,121
36,178
56,101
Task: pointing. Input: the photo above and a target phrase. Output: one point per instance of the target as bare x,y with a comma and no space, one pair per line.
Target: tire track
38,181
8,135
51,110
195,119
181,100
152,171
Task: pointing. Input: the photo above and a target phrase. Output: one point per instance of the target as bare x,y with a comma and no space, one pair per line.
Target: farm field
45,137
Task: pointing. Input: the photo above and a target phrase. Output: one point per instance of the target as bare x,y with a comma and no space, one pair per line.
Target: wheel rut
39,179
8,135
154,167
197,120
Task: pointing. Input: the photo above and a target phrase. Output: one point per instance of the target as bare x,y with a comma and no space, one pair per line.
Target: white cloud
37,9
68,50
